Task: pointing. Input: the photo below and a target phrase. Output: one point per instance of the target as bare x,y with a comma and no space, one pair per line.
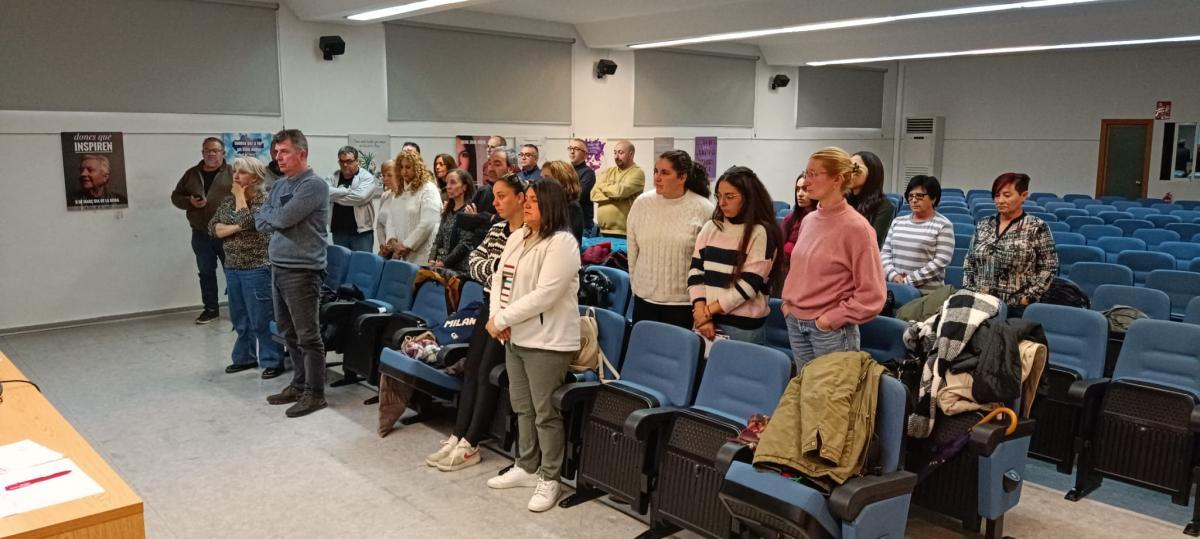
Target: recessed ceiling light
850,23
401,9
1008,50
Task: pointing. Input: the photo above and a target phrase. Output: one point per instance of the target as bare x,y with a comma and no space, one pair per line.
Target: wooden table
117,512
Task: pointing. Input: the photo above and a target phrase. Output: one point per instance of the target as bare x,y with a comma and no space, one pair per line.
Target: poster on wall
595,152
1162,110
706,152
663,144
256,145
373,150
470,152
94,170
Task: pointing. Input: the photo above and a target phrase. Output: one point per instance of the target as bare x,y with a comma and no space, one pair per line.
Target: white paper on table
23,454
69,487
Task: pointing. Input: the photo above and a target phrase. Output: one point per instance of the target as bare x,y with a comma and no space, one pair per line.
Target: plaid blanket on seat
941,338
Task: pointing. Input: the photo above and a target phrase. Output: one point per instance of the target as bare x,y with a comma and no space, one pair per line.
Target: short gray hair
295,136
350,150
253,165
509,154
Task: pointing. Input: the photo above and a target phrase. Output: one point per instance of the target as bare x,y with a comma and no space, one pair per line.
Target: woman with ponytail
662,229
736,256
836,278
866,193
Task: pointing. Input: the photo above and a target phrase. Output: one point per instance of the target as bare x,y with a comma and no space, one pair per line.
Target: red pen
26,483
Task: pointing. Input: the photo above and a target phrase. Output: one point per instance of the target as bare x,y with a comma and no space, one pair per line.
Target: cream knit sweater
661,237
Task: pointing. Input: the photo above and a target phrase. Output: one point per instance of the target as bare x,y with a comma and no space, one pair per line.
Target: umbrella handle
1012,425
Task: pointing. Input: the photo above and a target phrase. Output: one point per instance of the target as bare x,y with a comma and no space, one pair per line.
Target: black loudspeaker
331,46
605,67
779,81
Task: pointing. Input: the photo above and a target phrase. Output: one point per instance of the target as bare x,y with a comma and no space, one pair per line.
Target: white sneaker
461,457
514,477
448,445
544,496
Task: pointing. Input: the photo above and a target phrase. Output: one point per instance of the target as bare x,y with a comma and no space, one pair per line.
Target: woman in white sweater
409,211
662,229
535,312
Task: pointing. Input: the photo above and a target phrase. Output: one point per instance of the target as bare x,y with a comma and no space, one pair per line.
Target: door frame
1102,163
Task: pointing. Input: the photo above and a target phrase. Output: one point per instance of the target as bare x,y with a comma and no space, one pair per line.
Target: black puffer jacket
993,358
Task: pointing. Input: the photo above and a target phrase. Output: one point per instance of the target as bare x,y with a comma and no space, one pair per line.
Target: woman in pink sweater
836,279
736,254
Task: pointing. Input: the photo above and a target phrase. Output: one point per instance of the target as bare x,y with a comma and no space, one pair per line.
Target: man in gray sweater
297,213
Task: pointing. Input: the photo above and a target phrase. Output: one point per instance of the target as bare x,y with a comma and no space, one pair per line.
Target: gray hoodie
297,212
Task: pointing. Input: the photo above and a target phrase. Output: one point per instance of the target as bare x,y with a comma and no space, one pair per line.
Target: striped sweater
483,260
743,297
919,250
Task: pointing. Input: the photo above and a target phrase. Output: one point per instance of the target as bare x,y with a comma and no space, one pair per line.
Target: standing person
663,225
477,400
198,193
454,241
791,225
563,173
442,165
736,255
577,152
866,193
535,312
501,162
616,189
1012,254
408,217
296,212
920,245
248,271
527,159
352,191
836,279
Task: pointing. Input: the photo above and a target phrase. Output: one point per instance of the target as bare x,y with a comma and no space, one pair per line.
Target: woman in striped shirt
736,254
920,245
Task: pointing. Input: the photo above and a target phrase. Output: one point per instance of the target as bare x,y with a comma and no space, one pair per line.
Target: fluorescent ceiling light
1009,50
401,9
850,23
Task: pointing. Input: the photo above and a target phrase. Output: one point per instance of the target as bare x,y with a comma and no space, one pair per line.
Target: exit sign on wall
1162,110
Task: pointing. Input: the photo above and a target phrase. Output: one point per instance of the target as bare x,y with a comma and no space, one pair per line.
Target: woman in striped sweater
477,401
920,245
736,254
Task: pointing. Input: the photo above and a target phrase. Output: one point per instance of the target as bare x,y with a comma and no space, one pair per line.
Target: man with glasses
577,153
527,159
351,191
616,188
199,192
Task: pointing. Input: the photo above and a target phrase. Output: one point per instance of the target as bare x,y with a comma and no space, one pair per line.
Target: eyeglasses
213,152
527,155
575,149
347,161
917,196
729,196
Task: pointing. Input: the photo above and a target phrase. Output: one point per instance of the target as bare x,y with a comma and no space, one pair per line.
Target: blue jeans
753,336
208,251
360,241
251,311
808,342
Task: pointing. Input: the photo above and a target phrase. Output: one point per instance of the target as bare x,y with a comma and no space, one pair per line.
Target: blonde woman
409,211
836,278
248,270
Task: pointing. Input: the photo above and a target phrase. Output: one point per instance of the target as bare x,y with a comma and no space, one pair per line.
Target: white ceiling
615,24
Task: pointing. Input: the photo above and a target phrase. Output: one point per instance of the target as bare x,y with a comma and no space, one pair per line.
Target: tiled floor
211,459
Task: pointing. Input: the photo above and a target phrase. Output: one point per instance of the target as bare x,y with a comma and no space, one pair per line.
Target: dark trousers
477,401
676,315
355,241
208,251
297,297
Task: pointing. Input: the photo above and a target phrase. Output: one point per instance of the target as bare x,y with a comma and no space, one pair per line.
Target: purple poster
595,152
706,152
